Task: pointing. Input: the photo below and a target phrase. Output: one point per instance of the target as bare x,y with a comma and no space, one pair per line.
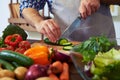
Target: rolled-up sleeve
36,4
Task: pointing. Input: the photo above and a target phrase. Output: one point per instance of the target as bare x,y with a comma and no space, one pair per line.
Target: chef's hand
87,7
50,29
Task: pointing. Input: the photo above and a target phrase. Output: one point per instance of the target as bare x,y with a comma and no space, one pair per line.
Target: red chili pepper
13,40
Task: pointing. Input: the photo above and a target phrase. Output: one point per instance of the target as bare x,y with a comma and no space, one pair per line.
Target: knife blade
71,28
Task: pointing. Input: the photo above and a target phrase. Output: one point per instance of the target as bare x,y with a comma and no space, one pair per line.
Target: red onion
36,71
61,55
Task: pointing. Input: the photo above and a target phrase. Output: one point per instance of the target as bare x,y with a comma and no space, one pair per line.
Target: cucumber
67,48
66,44
6,65
61,41
15,64
19,58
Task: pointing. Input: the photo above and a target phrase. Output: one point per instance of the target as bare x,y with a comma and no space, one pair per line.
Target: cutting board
59,48
53,46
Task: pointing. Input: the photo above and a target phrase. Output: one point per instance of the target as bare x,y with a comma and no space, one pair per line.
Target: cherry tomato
10,47
20,50
24,44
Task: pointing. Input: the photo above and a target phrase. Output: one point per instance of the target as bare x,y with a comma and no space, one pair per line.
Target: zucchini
12,56
6,65
67,48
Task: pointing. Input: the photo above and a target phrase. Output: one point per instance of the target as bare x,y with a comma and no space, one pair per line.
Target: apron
99,23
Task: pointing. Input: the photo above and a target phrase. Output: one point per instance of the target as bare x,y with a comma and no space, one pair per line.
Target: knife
71,28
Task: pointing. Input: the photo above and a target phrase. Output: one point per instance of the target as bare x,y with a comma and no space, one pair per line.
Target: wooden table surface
74,75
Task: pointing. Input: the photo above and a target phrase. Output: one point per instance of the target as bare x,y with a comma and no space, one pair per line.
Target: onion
61,55
36,71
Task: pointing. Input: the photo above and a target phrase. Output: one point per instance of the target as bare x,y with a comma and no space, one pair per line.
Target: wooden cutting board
52,46
59,48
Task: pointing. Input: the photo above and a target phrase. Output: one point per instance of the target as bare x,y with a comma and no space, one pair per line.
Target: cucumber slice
67,48
62,41
66,44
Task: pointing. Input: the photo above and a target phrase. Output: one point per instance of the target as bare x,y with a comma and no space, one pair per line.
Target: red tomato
24,44
10,47
20,50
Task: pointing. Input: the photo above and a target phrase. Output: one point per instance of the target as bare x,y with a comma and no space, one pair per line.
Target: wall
4,14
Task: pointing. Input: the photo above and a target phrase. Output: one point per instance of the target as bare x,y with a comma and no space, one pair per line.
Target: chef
96,18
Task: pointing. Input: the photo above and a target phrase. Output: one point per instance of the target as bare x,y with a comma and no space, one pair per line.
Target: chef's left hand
87,7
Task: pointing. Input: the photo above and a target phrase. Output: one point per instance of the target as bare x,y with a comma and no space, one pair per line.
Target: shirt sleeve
36,4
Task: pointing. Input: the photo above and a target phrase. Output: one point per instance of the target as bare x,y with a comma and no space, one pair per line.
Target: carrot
56,67
65,74
53,76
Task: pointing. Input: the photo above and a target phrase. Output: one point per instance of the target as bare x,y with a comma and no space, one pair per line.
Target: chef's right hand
50,29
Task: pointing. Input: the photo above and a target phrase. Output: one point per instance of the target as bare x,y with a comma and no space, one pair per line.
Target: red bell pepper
13,40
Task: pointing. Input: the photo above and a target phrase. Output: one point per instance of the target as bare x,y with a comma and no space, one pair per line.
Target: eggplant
35,71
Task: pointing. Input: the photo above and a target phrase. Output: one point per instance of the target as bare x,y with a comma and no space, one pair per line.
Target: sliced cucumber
66,44
67,48
62,41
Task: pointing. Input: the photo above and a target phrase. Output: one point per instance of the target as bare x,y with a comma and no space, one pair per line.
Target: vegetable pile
20,61
14,38
92,46
15,43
